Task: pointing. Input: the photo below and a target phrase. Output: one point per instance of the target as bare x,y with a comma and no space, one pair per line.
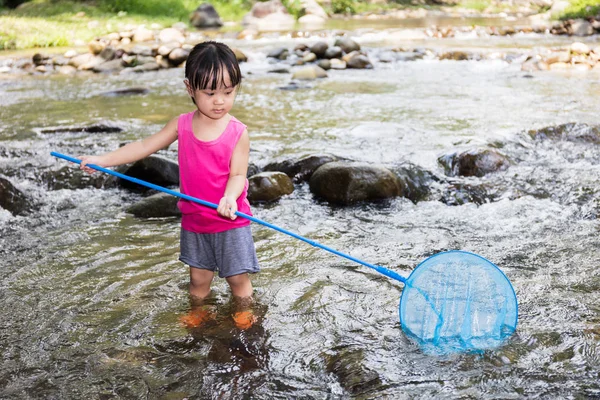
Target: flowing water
91,296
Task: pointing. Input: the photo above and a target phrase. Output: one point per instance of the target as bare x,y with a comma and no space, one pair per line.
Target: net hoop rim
471,254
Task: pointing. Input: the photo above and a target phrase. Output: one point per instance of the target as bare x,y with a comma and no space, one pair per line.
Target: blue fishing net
458,301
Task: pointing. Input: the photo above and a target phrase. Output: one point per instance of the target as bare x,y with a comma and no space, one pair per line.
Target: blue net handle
387,272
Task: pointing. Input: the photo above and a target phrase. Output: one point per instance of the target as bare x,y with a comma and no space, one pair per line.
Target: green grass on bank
582,9
52,23
58,23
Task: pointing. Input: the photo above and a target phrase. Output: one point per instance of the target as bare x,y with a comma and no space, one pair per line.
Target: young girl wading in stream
213,161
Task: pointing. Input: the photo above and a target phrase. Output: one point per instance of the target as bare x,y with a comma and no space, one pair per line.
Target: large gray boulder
346,183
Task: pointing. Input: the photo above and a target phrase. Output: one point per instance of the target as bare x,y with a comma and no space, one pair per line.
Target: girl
213,161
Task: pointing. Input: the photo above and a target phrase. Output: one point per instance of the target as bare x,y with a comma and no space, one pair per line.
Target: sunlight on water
94,296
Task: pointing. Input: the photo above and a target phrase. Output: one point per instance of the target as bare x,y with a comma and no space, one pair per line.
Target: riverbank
45,24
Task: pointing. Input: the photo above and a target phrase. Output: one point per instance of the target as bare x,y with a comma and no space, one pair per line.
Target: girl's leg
200,280
241,288
240,285
200,313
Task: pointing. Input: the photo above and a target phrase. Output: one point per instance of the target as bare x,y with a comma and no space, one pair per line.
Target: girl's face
214,104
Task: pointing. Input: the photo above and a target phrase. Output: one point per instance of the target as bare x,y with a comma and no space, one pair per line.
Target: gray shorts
229,252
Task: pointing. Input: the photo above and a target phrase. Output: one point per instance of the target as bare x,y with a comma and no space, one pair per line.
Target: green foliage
477,5
343,6
294,7
173,8
581,9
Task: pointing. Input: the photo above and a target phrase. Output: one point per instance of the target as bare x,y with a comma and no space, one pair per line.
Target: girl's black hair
206,64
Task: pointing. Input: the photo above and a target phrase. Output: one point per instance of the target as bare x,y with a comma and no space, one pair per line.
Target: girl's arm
237,177
135,150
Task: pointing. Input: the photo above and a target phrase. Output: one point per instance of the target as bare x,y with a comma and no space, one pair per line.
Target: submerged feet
198,317
244,319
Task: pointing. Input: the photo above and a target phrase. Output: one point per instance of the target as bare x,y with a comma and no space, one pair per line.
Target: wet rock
94,128
158,205
178,56
301,169
239,55
153,169
269,186
333,52
205,16
319,49
109,66
252,170
325,64
280,53
72,178
125,92
571,132
347,365
346,183
142,34
347,45
359,61
473,162
12,199
455,55
461,193
581,27
579,48
170,35
309,73
80,60
414,181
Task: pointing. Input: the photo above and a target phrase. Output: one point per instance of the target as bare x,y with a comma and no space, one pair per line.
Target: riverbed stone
93,128
414,181
205,16
178,56
72,178
346,363
333,52
109,66
579,48
158,205
581,27
455,55
280,53
347,44
571,132
170,35
239,55
345,183
325,64
458,193
269,186
475,162
154,169
359,61
319,48
300,169
142,34
309,73
12,199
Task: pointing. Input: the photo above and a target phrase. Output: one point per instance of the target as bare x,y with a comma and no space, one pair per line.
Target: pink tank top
203,173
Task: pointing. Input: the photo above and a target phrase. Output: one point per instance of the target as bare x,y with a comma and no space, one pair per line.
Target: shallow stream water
91,296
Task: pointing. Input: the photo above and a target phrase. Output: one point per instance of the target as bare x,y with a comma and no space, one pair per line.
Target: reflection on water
93,296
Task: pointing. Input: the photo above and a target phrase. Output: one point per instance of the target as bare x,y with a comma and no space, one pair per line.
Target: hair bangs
209,65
